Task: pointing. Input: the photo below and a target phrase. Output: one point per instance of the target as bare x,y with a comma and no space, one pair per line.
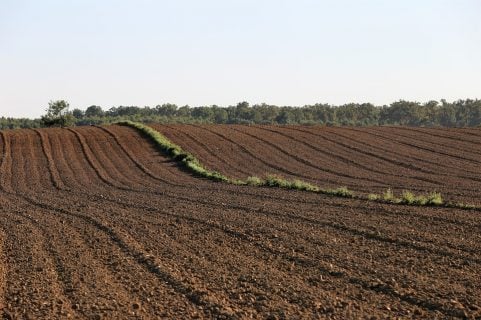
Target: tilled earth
366,159
96,224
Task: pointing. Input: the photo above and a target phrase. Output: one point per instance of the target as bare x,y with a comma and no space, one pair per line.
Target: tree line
460,113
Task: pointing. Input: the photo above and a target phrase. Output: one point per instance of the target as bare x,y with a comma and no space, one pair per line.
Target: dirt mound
96,224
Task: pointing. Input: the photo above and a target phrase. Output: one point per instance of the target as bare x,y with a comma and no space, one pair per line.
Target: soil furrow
6,165
434,142
418,145
97,223
112,159
217,155
449,141
357,281
416,243
34,282
93,162
405,152
114,290
132,157
369,170
353,280
47,152
3,267
305,161
414,168
258,158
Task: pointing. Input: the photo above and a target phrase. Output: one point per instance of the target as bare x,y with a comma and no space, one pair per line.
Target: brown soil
96,224
367,160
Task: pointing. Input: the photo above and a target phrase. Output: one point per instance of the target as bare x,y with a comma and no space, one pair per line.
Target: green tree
58,115
78,114
220,115
167,109
94,111
285,117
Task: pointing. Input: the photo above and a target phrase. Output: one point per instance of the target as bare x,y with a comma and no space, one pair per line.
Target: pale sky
284,52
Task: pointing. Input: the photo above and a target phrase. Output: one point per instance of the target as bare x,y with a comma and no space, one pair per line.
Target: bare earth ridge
96,224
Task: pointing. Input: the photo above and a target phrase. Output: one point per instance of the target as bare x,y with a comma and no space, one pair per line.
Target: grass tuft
254,181
373,197
276,181
389,196
302,185
410,198
462,205
340,192
280,182
436,199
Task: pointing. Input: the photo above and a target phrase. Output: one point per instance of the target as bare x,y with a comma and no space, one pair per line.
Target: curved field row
363,159
96,223
400,151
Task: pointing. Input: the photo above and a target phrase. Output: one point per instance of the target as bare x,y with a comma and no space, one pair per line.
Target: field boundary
192,164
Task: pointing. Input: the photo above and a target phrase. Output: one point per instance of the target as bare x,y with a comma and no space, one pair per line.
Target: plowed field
363,159
96,224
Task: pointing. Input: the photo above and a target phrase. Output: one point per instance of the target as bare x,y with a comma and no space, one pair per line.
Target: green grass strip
192,164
